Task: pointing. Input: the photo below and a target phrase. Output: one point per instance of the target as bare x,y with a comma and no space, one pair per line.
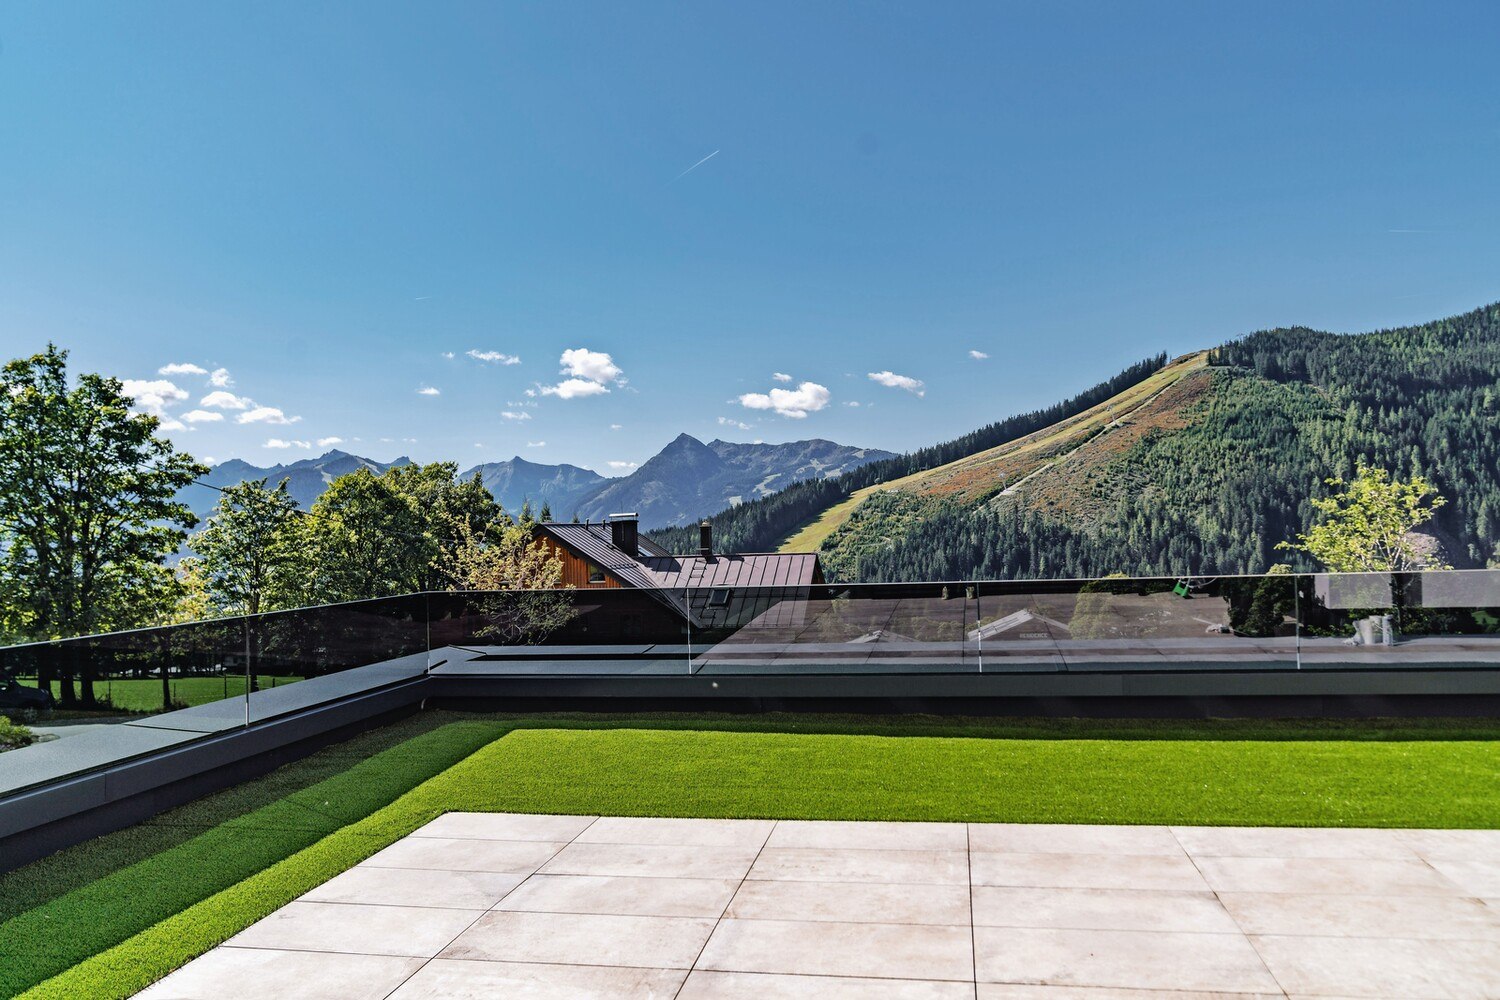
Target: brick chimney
624,532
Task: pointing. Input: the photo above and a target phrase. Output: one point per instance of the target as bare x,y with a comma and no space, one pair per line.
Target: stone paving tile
1428,917
449,979
506,826
1361,877
472,855
812,948
870,835
1101,909
1061,838
666,861
1132,959
583,939
622,895
704,985
1459,844
871,865
1014,991
745,833
1476,877
416,887
1289,842
1380,967
414,931
266,974
852,902
1087,871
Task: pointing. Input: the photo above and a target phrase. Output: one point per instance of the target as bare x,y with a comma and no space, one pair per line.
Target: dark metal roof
592,541
764,569
650,548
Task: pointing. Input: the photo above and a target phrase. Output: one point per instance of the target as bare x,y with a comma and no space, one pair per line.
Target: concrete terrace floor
520,906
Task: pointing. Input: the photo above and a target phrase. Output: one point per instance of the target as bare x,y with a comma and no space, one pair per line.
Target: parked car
14,694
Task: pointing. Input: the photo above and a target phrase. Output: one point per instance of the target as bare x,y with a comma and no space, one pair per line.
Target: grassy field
108,917
145,695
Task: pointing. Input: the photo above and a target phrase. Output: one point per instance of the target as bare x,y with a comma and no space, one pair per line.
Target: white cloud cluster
202,417
978,355
622,465
809,397
891,380
222,400
181,369
279,443
731,422
781,376
153,396
515,414
492,357
265,415
329,441
590,373
219,378
428,390
536,444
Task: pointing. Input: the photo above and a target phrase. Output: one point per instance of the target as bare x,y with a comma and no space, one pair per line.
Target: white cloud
781,376
574,388
328,441
852,402
153,396
615,427
448,355
266,415
892,380
202,416
219,378
515,414
171,424
210,460
731,422
809,397
590,373
978,355
181,369
428,390
536,444
279,443
621,465
493,357
226,401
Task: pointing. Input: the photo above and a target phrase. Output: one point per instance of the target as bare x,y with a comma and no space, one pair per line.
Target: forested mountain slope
1201,467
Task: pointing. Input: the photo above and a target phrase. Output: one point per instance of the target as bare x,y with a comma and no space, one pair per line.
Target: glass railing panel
1018,625
1447,618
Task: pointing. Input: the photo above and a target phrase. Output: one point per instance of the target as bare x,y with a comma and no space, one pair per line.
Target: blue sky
335,204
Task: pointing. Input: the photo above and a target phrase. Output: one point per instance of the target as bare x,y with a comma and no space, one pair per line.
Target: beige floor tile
264,974
1359,967
1014,991
1339,915
1087,871
1129,959
354,929
506,826
658,860
1473,876
1291,842
507,856
852,902
1065,838
1360,877
865,865
583,939
749,833
623,895
1101,909
838,835
1460,844
416,887
704,985
810,948
446,979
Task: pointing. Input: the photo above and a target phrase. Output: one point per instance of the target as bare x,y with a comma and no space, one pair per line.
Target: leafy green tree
248,548
1366,527
88,506
524,600
367,539
452,510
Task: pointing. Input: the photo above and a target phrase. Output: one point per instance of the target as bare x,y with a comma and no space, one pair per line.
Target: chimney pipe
706,539
624,532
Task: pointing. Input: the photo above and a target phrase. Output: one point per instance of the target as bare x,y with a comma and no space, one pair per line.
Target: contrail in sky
695,166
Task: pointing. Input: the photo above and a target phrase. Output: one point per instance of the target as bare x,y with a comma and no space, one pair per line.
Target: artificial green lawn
136,914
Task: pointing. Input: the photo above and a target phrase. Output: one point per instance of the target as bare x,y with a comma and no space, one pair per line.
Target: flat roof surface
496,904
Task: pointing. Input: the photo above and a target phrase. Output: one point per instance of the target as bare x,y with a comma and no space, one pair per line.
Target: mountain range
1198,465
685,481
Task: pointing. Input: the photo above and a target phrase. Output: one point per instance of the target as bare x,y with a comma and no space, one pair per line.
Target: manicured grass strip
817,776
63,909
144,694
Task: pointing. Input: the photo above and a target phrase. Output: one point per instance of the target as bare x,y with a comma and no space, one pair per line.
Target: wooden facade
578,570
